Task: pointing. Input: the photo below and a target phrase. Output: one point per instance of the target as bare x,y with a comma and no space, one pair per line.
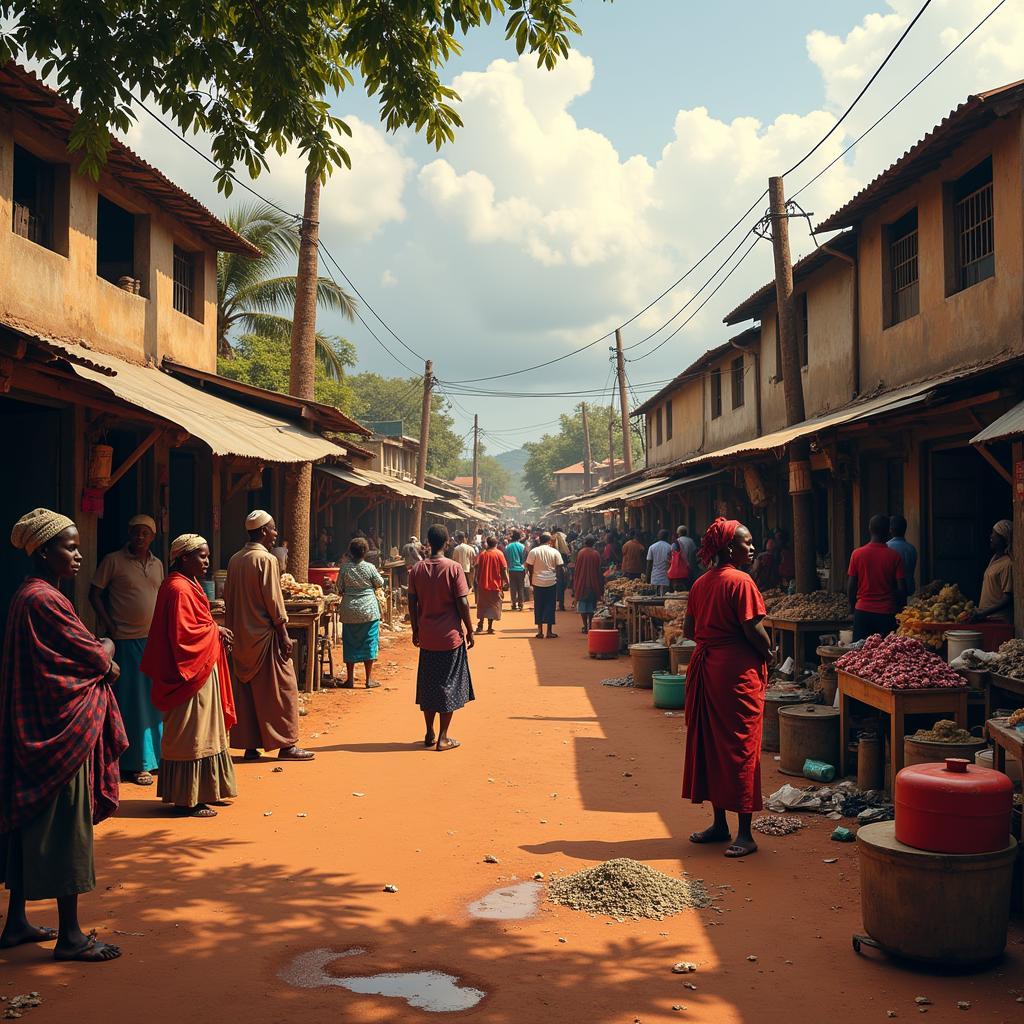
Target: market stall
796,620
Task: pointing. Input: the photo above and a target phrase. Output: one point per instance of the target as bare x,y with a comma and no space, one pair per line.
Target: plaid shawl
56,710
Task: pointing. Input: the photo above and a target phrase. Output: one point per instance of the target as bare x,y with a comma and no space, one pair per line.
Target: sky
573,198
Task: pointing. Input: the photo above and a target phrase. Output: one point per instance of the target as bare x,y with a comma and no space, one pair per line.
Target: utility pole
627,448
302,378
587,461
799,450
421,461
611,443
476,459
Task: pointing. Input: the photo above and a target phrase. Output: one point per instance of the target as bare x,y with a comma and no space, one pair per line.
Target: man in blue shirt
898,542
658,556
515,552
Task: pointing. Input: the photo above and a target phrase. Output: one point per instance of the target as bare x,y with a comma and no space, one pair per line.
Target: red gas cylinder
603,643
955,807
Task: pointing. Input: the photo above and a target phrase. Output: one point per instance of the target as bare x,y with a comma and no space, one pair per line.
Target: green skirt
52,855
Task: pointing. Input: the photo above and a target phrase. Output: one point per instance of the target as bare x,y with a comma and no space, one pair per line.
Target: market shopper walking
546,568
682,562
266,693
186,657
659,555
515,553
60,740
358,582
442,629
491,581
633,557
726,682
587,582
123,596
877,583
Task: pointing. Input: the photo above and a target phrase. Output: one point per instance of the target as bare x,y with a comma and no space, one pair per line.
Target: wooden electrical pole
627,448
792,385
302,380
587,460
476,459
611,443
421,461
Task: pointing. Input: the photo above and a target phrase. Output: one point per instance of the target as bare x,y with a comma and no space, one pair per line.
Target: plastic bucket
960,640
603,643
210,589
669,690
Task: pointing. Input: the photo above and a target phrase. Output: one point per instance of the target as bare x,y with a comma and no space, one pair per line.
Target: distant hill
513,463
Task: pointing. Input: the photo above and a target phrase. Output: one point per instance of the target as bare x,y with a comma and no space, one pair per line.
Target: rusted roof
23,91
926,155
751,307
712,355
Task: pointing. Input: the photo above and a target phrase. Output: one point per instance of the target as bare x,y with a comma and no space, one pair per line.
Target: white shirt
545,561
465,555
659,554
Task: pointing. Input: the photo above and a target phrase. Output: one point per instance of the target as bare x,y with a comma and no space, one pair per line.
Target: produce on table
900,663
944,731
617,589
292,588
1011,659
819,606
1016,718
772,597
938,602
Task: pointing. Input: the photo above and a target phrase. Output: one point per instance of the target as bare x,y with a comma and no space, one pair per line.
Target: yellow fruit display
937,602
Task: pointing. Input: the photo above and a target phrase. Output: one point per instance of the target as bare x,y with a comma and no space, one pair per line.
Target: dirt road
235,915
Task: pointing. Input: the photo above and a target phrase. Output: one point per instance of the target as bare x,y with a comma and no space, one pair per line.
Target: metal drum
807,731
774,701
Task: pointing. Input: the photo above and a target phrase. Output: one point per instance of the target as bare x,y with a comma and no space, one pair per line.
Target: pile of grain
777,825
1011,659
944,732
625,888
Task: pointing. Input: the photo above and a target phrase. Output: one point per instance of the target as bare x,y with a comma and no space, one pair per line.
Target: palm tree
250,292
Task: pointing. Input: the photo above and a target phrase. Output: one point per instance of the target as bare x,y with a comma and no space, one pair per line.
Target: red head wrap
718,537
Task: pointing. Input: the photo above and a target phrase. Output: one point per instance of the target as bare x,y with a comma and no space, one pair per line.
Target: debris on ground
390,888
491,859
625,888
777,825
842,800
626,680
684,967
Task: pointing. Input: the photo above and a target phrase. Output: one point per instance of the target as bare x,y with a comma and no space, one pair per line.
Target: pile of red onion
899,663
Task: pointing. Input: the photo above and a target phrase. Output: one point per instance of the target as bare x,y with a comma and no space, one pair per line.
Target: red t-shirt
488,569
437,585
877,568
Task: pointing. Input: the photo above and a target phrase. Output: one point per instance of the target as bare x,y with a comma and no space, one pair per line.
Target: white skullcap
257,519
142,520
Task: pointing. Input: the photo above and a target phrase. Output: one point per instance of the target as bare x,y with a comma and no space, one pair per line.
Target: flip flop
33,935
449,744
490,632
735,851
93,952
709,835
372,684
142,779
199,812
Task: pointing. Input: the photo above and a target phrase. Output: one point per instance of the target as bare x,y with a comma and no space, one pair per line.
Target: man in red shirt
877,588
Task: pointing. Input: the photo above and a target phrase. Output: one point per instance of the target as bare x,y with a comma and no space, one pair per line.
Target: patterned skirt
443,682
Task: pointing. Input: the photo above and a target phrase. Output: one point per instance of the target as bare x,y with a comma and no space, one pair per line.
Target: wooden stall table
1005,740
637,624
897,704
304,620
387,570
800,629
996,684
620,621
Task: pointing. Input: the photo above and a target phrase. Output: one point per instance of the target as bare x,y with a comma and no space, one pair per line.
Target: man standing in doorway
123,596
263,677
899,543
877,585
658,557
545,566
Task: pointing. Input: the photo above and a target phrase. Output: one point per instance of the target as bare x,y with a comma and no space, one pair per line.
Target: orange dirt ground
556,773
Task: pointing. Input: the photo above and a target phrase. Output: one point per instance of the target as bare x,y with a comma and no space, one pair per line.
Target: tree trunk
302,380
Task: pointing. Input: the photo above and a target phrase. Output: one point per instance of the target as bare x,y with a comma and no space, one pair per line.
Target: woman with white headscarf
186,658
997,584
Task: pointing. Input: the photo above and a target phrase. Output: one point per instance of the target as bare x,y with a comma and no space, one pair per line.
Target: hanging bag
679,566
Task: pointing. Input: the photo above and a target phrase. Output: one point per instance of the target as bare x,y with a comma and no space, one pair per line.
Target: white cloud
387,279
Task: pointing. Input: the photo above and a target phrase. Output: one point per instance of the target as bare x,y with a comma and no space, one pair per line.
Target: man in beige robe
263,677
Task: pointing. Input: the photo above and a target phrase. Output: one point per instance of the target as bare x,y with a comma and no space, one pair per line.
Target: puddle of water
433,991
509,903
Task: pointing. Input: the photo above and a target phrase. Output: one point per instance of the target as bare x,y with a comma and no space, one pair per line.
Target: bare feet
23,936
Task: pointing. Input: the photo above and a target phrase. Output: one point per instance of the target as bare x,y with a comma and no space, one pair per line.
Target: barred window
184,282
738,397
904,284
716,392
973,234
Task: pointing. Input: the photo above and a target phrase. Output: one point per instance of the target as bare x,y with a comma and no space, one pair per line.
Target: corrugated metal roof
928,153
1010,424
227,428
611,497
25,92
371,478
675,484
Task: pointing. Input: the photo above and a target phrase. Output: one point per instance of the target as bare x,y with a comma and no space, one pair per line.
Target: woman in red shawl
60,738
587,582
726,681
186,659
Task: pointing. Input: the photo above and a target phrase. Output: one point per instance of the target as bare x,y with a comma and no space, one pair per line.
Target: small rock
752,958
302,712
491,859
890,1013
963,1004
560,939
390,888
684,967
538,876
627,775
267,814
677,1007
690,985
830,860
277,768
922,1001
302,814
359,794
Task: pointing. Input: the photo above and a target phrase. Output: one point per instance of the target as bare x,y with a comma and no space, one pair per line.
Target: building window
668,420
115,244
657,426
973,229
716,392
738,396
184,282
803,334
904,290
39,201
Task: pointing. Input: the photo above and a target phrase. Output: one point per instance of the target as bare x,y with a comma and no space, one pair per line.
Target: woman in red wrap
726,682
186,659
60,740
587,582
